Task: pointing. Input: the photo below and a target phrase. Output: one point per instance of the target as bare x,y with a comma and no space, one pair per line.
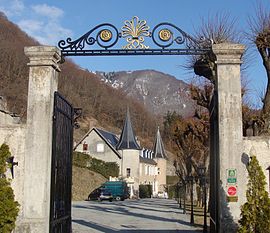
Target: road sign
231,176
231,180
231,172
232,191
232,199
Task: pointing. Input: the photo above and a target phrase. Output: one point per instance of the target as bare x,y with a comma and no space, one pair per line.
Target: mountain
158,92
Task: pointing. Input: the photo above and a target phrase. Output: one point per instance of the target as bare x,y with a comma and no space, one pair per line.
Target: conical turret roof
127,139
159,151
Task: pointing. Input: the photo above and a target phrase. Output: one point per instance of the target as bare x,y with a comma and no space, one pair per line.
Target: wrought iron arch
167,39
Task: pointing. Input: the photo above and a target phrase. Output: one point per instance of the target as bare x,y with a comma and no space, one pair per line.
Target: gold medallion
105,35
165,34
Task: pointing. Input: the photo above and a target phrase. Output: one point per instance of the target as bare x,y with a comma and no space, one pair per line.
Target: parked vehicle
119,189
101,194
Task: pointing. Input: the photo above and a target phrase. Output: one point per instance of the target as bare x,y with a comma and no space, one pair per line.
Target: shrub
255,213
9,208
171,190
145,191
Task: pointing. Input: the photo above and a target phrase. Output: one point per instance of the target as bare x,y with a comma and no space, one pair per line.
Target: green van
119,189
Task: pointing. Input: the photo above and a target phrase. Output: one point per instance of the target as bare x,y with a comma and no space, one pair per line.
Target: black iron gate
61,173
214,167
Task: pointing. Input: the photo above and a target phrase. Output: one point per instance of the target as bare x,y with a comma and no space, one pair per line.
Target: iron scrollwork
106,36
163,35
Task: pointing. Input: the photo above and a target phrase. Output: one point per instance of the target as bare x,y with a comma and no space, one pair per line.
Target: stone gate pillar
43,80
228,87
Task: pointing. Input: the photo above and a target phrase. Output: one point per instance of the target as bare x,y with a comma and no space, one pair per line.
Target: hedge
106,169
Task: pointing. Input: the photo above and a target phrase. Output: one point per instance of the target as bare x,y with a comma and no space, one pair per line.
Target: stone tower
130,152
161,160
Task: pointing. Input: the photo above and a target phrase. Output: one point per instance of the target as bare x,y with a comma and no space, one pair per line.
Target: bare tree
219,28
202,92
259,35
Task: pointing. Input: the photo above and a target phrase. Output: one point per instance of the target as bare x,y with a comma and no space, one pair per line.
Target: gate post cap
43,56
228,53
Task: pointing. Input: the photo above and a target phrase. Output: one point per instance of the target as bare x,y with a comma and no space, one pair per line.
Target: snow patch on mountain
159,92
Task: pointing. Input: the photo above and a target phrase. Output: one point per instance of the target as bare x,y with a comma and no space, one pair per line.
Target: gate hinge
77,115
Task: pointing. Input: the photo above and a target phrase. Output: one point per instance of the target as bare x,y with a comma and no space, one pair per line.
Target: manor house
136,165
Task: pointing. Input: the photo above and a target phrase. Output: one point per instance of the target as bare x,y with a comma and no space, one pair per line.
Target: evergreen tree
8,207
255,213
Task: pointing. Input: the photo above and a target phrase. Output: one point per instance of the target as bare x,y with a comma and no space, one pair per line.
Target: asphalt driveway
144,215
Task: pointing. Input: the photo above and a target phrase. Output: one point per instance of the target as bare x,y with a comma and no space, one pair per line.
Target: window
158,171
151,170
128,172
85,146
100,147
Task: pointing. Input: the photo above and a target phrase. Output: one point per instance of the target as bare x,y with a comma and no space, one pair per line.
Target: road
140,216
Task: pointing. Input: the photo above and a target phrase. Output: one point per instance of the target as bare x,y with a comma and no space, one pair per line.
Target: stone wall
260,146
6,117
14,136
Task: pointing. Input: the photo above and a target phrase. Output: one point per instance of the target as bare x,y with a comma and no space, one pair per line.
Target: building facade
136,165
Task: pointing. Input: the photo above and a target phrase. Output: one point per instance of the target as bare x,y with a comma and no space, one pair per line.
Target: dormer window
100,147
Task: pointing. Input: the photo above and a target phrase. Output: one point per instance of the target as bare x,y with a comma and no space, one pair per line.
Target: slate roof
127,139
146,156
110,137
146,160
159,151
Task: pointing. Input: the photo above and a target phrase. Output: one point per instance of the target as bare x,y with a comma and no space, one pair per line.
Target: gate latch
11,162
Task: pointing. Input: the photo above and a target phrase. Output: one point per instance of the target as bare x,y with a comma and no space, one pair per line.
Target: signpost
231,180
232,185
231,172
231,176
232,191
